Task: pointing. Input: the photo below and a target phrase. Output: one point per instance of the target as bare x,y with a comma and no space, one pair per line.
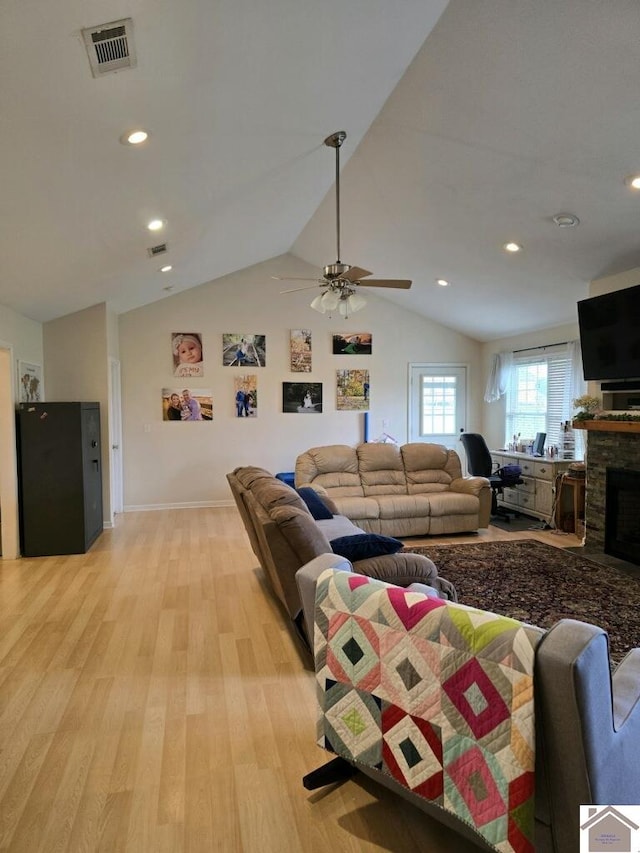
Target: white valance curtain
499,373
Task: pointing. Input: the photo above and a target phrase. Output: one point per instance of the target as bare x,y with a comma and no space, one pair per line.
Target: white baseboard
188,505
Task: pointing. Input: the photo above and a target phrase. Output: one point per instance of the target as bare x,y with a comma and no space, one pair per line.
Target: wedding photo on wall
302,397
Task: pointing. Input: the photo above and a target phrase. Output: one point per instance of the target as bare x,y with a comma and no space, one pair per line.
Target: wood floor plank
154,697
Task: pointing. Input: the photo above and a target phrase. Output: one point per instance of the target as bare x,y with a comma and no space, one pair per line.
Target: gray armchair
587,729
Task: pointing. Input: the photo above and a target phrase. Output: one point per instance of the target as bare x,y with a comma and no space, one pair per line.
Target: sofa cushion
315,504
381,469
363,546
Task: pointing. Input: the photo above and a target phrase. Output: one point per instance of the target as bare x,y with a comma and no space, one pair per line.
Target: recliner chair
480,464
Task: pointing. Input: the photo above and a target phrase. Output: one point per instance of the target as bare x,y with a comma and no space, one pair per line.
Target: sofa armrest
306,578
469,485
626,690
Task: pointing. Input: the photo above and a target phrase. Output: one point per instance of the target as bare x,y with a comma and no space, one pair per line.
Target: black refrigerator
59,477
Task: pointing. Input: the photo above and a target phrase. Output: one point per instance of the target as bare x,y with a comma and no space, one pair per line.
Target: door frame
115,439
436,367
9,508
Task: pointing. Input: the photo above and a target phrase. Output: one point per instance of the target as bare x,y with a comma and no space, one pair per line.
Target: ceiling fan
340,281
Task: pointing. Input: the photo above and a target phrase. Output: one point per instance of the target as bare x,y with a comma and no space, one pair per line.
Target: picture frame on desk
30,385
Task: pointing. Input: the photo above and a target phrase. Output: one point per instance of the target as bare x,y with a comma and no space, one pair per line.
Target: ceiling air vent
160,249
110,47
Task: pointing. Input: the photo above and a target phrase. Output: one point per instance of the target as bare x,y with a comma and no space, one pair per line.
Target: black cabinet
60,477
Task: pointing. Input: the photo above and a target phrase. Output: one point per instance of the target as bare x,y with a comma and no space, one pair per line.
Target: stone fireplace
622,514
613,445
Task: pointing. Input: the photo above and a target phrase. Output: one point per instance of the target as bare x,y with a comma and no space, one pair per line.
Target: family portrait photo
187,404
186,348
246,396
241,350
302,397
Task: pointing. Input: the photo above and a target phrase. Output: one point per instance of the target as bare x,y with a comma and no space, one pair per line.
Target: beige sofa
414,490
284,536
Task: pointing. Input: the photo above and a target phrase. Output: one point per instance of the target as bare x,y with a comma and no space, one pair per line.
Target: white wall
174,463
77,369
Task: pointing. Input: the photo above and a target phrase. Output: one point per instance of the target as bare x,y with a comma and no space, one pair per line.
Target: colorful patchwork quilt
435,694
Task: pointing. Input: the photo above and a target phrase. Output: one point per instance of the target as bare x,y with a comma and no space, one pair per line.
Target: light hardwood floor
153,698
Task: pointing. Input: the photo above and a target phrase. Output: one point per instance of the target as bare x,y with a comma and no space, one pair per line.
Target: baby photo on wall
246,395
239,350
187,354
305,398
195,404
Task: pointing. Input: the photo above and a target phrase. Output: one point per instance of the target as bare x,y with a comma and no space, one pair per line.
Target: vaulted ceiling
470,123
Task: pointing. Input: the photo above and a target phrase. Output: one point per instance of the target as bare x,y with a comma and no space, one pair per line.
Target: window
537,395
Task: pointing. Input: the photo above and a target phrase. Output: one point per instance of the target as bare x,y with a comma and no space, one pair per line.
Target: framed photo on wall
30,387
302,397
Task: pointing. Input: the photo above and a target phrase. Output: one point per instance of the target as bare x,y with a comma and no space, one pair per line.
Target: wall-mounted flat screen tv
610,334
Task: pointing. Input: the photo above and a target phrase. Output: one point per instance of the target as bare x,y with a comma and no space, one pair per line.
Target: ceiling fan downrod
335,140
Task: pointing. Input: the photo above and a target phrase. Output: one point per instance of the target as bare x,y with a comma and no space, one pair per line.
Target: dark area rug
539,584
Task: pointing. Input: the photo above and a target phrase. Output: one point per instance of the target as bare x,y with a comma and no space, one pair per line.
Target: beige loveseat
284,536
414,490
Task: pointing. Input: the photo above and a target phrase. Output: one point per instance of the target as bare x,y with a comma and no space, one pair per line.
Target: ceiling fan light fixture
330,299
318,305
355,302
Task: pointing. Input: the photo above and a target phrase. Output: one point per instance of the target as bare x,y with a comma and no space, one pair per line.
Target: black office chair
480,464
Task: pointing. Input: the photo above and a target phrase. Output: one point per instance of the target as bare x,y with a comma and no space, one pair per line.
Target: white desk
536,496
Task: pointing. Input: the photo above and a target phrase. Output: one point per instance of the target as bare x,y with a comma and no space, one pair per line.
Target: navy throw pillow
362,546
316,506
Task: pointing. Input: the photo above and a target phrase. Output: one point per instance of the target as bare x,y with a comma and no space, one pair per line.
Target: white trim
188,505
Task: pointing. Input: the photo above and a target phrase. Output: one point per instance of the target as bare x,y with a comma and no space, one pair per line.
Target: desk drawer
543,470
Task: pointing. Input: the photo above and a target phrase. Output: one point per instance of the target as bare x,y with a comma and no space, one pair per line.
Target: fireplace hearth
622,514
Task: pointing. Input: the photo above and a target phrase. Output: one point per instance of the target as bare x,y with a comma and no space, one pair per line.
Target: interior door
437,403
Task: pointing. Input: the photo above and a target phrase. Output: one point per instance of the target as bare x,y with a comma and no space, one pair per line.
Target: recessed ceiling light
442,282
134,137
166,268
512,247
155,225
633,181
566,220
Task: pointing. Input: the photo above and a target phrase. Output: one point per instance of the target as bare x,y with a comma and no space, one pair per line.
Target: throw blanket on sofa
437,695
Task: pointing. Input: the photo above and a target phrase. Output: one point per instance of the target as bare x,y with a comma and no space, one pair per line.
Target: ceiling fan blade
354,274
401,284
293,278
306,287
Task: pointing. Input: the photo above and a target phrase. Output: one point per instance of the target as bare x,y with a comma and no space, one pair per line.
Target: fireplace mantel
608,426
